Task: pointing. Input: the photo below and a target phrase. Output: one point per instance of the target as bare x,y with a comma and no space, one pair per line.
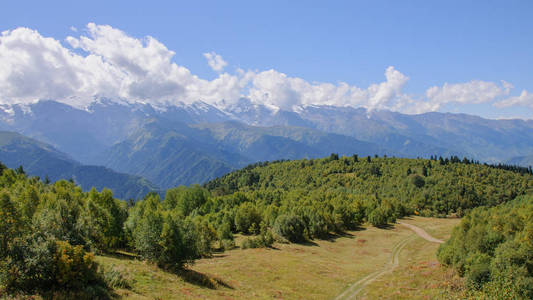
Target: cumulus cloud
114,65
37,67
475,92
106,62
278,89
215,61
524,99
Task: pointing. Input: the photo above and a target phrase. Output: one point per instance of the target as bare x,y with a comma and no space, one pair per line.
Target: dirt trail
354,289
421,233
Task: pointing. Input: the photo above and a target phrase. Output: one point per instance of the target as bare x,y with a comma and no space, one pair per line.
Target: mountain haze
195,142
40,159
524,161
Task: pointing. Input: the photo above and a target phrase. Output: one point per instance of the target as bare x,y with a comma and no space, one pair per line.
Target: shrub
206,236
178,242
378,217
290,227
38,264
247,217
478,270
258,242
224,231
227,244
418,181
75,267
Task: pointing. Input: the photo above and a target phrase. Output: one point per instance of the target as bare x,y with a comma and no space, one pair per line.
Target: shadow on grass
203,280
216,255
122,255
386,226
188,275
335,236
307,243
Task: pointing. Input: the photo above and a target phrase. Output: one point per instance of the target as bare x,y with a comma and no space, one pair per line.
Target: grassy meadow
320,269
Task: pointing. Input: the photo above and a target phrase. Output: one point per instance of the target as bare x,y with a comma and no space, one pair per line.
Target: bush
75,267
290,227
258,242
206,236
378,217
246,218
418,181
224,231
179,243
227,244
164,237
38,264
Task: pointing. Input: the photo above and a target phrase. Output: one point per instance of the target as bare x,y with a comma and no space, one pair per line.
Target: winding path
421,233
356,287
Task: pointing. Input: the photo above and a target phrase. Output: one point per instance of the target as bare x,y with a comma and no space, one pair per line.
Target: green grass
317,270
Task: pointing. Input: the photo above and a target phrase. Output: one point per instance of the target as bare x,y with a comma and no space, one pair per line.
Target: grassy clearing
318,270
419,275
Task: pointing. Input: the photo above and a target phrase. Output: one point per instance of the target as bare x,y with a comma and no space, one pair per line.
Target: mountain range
192,143
43,160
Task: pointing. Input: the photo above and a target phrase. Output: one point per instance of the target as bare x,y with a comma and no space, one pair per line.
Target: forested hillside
426,187
49,230
492,248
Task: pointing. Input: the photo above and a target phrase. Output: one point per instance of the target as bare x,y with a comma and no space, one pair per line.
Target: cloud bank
106,62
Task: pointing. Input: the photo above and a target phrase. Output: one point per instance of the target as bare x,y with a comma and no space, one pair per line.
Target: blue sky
430,42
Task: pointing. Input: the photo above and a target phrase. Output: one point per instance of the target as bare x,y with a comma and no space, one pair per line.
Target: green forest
492,248
50,231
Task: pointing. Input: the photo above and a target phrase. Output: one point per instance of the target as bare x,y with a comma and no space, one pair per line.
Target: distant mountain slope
285,142
84,133
40,159
173,153
414,135
524,161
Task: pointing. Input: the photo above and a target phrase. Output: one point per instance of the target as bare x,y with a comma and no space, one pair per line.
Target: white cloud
524,99
105,61
215,61
115,65
473,92
37,67
278,89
